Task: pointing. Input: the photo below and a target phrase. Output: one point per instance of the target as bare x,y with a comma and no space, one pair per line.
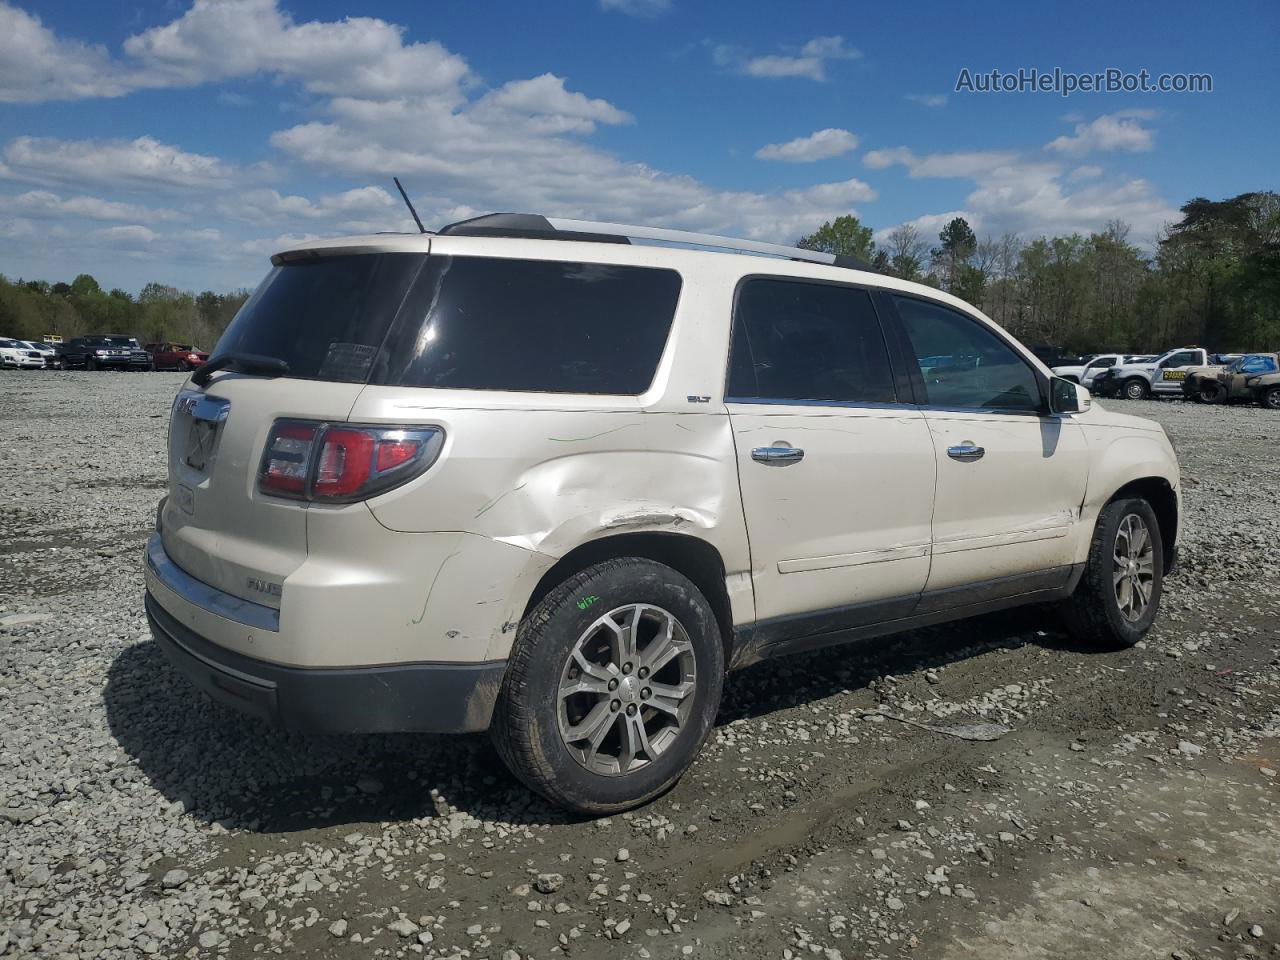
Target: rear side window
326,318
965,365
481,323
800,341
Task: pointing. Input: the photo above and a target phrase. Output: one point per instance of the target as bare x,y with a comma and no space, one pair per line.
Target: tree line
1213,278
35,309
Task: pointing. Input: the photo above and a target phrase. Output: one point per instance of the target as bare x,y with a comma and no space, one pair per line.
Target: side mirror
1067,397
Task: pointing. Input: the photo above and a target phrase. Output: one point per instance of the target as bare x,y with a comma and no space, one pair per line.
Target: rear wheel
611,688
1271,398
1135,388
1118,596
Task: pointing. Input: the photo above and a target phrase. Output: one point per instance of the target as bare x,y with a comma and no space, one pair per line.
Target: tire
1211,392
1270,398
529,715
1093,613
1135,388
90,363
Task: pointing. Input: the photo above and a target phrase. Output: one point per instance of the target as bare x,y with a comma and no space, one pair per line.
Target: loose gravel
1132,811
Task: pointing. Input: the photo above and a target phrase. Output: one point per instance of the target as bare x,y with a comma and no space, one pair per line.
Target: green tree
957,244
845,237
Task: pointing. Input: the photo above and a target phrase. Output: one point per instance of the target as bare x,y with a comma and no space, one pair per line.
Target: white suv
525,476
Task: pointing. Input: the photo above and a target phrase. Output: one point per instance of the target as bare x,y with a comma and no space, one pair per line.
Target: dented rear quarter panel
545,473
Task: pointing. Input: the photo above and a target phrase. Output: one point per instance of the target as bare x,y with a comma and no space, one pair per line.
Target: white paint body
1164,377
441,569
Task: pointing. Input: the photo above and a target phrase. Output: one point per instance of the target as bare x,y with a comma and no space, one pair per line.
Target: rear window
325,318
472,323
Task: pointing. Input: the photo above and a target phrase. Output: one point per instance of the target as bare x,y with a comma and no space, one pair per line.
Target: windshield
121,341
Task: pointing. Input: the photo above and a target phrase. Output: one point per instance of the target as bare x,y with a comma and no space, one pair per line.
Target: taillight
341,463
288,459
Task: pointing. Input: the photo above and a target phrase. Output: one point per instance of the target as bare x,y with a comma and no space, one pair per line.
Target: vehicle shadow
223,767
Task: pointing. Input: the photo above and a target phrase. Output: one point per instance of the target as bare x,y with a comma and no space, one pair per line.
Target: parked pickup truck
1084,374
1160,377
1239,380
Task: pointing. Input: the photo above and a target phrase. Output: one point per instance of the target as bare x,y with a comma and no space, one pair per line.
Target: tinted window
1184,359
533,325
963,364
807,341
326,317
1103,362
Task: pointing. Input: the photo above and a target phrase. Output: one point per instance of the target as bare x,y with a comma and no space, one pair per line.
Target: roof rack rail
536,226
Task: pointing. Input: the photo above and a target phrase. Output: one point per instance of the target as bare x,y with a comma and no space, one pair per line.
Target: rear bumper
404,698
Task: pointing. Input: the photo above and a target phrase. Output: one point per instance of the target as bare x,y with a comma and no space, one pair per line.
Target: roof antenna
407,203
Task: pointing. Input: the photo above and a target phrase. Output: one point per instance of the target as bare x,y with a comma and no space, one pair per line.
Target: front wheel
91,364
1271,398
1211,392
611,688
1117,598
1136,388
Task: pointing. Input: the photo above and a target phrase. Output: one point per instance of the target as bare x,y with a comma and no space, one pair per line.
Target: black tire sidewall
1271,398
1141,389
615,585
1124,631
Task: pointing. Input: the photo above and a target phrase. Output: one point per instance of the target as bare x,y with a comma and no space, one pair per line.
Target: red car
175,356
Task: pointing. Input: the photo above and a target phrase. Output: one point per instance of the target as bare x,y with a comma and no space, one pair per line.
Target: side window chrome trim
854,404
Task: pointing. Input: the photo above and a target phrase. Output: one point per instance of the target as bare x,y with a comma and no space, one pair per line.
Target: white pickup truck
1162,376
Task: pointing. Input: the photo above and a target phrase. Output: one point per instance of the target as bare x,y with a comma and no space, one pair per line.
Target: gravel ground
1132,811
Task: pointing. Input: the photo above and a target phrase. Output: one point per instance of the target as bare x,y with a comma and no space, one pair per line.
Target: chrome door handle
777,455
966,452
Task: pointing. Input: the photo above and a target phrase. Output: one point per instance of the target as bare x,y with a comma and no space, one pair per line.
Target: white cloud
928,99
821,145
43,203
971,164
1111,131
1087,171
810,61
931,224
546,97
270,207
637,8
144,162
1027,196
36,66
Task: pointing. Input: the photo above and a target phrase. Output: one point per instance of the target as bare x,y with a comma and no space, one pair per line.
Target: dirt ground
1132,811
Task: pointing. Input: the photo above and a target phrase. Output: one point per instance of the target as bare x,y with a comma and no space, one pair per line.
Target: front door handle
777,455
966,452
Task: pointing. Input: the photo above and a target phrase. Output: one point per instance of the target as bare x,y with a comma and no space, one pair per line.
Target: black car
110,352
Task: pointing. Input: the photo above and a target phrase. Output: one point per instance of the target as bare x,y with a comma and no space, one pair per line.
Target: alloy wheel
626,690
1133,572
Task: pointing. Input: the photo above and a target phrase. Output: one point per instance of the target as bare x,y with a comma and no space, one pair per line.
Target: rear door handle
777,455
966,452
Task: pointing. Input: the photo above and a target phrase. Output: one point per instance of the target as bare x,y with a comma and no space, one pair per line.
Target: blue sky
183,142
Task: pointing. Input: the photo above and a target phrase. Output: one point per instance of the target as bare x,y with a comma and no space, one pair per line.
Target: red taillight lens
396,453
346,460
343,463
288,459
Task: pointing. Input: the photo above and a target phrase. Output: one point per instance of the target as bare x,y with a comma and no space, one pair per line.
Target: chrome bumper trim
217,602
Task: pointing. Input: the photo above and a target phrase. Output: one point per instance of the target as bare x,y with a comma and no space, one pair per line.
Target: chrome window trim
202,595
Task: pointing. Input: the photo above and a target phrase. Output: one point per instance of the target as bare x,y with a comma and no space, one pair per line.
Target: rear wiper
243,362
